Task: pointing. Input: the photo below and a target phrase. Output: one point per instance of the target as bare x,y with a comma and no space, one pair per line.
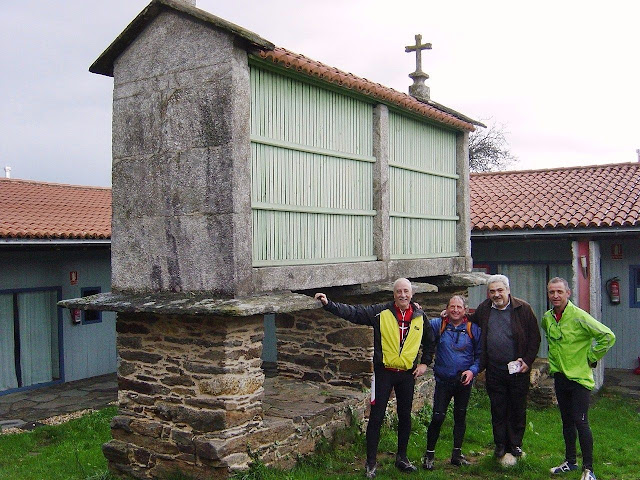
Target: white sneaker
564,467
587,475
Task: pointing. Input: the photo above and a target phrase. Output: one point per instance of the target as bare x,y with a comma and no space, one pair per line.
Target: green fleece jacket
572,349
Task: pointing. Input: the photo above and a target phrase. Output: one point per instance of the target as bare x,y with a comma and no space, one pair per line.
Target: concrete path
622,381
24,409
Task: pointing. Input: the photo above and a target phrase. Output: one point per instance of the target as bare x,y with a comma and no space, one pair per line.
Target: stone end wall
181,157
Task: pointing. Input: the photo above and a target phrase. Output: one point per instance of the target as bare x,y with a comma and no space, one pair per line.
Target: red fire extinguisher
613,290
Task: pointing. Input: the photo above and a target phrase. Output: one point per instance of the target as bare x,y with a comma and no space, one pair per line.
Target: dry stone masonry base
187,385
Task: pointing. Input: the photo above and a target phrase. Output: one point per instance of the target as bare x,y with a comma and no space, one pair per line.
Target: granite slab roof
562,198
39,210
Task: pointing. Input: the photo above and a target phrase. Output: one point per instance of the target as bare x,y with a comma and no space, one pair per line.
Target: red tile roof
302,64
38,210
575,197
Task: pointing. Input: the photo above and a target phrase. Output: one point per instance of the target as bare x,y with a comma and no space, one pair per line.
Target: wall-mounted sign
73,278
616,251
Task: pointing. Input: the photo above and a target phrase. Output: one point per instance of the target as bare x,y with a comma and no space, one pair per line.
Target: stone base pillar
189,386
317,346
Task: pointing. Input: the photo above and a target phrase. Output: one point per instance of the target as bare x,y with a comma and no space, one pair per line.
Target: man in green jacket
572,354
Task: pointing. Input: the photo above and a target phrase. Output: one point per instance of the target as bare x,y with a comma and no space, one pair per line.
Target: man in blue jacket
399,330
457,363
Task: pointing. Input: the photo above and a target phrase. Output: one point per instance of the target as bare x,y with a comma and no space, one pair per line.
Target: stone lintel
463,279
370,288
193,304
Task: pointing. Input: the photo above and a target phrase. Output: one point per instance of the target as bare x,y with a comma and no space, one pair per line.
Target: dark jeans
573,401
403,384
508,396
444,391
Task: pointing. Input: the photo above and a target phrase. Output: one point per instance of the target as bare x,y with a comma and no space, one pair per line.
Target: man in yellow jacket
572,354
398,332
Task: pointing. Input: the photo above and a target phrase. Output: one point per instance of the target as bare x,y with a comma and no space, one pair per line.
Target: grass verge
73,450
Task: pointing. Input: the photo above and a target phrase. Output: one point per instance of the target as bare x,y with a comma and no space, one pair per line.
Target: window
30,337
90,316
634,286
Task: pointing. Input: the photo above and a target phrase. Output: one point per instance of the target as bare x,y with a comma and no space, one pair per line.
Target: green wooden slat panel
289,110
422,238
422,188
291,238
312,173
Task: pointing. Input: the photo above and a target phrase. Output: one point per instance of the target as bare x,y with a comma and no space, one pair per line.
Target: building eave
560,233
53,242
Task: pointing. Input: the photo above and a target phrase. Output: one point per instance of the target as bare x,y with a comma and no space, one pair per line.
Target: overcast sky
562,76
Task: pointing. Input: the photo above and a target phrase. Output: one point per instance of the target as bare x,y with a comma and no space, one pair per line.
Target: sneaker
564,467
458,459
499,450
370,470
588,475
428,459
404,465
516,451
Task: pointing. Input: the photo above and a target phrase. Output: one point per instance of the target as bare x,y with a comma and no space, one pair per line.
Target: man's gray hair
498,278
458,297
559,280
395,284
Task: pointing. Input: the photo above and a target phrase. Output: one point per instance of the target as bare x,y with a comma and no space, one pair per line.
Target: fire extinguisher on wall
613,290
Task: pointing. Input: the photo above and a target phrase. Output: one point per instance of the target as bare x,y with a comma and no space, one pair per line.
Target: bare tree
489,149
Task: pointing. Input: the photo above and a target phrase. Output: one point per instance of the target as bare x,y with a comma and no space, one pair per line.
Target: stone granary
246,177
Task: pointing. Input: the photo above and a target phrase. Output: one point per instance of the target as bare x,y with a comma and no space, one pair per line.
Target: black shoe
370,470
458,459
427,460
499,451
516,451
404,465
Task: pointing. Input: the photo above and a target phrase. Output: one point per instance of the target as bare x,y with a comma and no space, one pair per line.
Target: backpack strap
445,322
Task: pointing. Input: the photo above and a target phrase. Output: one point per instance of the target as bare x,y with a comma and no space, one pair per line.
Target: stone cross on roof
419,90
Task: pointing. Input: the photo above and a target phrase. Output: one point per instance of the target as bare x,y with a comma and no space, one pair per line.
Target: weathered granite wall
181,159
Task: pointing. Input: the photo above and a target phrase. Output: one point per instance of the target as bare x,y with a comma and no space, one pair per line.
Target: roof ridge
556,169
53,184
309,66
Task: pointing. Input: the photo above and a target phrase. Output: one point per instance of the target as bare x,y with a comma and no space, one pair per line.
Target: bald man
399,330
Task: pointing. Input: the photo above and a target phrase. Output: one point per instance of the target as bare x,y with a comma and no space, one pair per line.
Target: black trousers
444,392
573,402
508,397
403,384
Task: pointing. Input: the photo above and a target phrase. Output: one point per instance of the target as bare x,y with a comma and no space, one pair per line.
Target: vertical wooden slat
284,109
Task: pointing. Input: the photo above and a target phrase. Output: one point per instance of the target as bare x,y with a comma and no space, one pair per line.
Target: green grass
73,450
615,422
68,451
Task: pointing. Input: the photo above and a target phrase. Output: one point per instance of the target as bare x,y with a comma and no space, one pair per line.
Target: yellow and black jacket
386,337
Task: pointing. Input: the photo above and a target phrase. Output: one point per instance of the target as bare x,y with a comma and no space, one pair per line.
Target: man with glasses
509,344
576,342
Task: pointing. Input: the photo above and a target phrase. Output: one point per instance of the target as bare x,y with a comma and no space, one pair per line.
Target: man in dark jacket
510,341
399,330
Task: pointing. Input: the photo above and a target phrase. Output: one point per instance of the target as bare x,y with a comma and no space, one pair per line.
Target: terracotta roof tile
31,209
305,65
575,197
